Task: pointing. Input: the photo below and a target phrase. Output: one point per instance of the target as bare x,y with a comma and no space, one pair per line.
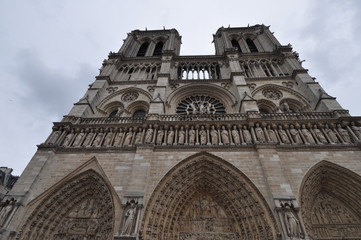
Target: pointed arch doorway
205,197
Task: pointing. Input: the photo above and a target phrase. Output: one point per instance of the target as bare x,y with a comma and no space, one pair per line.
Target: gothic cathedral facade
243,144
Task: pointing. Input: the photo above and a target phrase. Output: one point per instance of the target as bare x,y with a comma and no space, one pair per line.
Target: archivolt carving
293,96
330,202
204,197
80,208
106,100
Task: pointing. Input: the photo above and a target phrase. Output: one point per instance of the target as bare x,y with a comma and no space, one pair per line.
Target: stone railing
210,117
343,131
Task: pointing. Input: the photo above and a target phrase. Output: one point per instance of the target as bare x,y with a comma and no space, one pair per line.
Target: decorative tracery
200,104
80,208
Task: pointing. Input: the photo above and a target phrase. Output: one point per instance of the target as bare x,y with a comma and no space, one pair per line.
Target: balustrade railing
202,130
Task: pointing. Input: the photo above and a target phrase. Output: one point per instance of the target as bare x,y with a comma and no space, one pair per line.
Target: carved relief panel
204,218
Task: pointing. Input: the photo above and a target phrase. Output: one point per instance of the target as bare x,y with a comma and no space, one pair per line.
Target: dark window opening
263,111
139,114
235,44
114,113
143,49
158,49
252,47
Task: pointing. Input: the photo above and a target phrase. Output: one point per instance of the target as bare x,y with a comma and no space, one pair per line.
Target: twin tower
243,144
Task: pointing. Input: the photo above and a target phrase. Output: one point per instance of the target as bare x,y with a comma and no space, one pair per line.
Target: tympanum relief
205,219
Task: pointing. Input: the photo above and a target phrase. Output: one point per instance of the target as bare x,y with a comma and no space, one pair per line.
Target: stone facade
243,144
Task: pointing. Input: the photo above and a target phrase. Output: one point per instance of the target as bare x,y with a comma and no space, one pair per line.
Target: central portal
204,218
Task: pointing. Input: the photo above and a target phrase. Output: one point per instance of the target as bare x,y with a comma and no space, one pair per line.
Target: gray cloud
50,51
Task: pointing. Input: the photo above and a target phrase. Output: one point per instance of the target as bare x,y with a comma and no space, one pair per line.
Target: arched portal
205,197
331,202
80,208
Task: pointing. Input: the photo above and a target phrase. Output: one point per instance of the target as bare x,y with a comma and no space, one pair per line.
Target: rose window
200,105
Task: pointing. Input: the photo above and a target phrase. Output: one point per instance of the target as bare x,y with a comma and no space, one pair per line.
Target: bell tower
242,144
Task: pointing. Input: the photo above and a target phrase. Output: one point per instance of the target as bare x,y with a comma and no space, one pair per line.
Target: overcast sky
51,50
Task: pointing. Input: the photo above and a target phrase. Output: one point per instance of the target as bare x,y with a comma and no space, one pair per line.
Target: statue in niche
160,134
128,137
356,130
235,135
79,138
170,137
149,135
283,135
292,223
286,108
138,136
5,210
181,135
319,135
88,138
54,137
118,137
225,135
214,136
119,112
109,138
308,136
129,219
98,139
295,134
203,136
260,134
272,134
331,134
68,138
192,134
344,134
247,135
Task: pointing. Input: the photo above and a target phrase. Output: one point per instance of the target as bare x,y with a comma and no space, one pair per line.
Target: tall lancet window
158,49
143,49
252,47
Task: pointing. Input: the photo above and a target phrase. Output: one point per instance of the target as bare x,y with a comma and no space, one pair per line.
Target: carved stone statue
68,138
292,224
98,139
356,130
319,135
160,134
247,135
109,138
331,134
54,137
203,136
260,134
79,138
181,135
192,134
272,134
88,138
283,135
286,108
308,136
225,135
235,135
119,112
128,137
214,136
295,135
149,135
344,134
170,137
5,210
118,137
129,219
138,136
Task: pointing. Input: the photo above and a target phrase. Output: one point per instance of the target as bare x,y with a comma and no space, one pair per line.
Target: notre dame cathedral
243,144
